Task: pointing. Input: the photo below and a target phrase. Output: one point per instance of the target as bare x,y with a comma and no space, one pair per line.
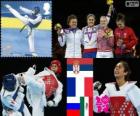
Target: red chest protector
51,84
120,107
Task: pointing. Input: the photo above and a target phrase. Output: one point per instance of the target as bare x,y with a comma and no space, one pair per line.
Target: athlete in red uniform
125,38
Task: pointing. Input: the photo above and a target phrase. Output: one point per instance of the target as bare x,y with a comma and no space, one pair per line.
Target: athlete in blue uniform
12,97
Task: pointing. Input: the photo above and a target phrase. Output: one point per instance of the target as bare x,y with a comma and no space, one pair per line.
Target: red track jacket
128,38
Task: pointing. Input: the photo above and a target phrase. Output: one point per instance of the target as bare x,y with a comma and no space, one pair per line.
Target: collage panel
96,29
70,58
26,28
80,87
91,87
116,87
33,87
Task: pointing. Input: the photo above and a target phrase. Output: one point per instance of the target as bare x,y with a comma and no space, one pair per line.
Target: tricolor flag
80,87
78,106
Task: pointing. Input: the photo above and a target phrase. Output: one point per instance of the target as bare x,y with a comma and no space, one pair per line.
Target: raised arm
109,12
25,10
97,85
62,39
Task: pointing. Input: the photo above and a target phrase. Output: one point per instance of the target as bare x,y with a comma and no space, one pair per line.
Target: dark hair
70,17
36,9
126,69
121,17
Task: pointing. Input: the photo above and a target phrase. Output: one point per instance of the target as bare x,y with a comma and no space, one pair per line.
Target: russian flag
78,106
73,106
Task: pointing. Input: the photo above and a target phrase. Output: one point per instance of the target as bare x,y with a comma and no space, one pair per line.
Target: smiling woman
122,92
71,37
122,71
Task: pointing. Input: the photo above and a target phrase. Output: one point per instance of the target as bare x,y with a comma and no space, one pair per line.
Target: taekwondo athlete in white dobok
42,86
72,38
124,96
31,21
12,97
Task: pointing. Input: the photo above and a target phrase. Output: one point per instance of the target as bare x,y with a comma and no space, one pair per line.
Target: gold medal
108,33
57,26
109,2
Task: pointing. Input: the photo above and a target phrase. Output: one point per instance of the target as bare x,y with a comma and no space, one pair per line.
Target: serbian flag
80,87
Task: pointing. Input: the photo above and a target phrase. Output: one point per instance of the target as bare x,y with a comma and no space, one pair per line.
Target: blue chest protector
14,97
33,25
